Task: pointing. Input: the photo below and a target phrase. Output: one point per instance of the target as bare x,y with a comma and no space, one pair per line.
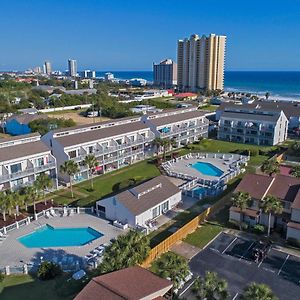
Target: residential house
140,205
183,126
23,158
284,187
253,127
133,283
115,143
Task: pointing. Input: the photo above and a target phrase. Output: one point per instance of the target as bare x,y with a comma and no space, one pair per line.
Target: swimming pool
207,169
199,190
48,236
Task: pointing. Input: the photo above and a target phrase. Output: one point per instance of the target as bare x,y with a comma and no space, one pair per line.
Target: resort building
72,67
142,204
23,158
133,283
200,63
290,109
286,188
253,127
165,73
115,143
183,126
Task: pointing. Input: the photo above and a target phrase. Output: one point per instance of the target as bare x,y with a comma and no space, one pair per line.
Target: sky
131,35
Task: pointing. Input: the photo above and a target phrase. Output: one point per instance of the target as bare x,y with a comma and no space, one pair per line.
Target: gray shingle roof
137,205
251,117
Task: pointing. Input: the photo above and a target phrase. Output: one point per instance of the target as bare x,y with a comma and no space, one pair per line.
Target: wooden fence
179,235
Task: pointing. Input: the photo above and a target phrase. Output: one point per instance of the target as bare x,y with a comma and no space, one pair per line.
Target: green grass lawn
203,235
15,287
107,184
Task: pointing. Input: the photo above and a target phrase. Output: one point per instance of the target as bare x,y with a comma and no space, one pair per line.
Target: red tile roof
131,283
248,211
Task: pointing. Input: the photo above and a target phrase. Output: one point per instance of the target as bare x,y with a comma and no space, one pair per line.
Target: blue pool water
48,236
199,191
207,169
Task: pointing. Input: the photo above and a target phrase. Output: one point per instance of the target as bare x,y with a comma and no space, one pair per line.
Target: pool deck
182,166
13,253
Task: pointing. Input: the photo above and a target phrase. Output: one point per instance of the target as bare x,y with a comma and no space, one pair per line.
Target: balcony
185,129
27,172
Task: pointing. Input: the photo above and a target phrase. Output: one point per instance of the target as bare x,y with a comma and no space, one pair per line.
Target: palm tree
43,182
241,200
157,143
16,201
3,205
271,205
296,171
173,266
125,251
270,166
257,291
166,144
31,195
70,168
91,162
211,287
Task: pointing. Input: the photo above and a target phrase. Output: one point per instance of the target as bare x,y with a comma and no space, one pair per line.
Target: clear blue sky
130,34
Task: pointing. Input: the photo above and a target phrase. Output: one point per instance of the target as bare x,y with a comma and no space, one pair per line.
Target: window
91,149
165,206
40,162
16,168
72,154
155,212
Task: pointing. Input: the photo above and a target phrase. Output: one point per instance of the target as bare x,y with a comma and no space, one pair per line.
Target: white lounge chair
71,213
52,213
47,215
64,214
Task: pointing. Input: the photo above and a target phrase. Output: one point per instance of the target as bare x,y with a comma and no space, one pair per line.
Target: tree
173,266
296,171
70,168
43,182
211,287
157,143
125,251
241,200
257,291
48,270
270,166
271,205
91,162
31,195
15,201
3,205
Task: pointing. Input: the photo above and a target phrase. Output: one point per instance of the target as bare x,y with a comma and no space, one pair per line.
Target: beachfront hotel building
165,73
200,63
23,158
253,127
115,143
183,126
72,67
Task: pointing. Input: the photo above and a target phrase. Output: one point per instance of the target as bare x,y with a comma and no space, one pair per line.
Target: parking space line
246,251
182,292
283,264
235,296
264,257
229,245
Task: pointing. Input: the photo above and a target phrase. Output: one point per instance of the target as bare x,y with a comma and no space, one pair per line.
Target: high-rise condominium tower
165,73
200,63
47,67
72,66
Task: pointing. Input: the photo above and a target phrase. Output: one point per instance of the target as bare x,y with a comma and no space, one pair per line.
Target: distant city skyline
130,35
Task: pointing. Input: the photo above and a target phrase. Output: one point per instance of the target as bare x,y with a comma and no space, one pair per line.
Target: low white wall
45,110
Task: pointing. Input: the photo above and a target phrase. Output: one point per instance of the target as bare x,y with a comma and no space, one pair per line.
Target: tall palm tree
16,201
70,168
125,251
31,195
43,183
296,171
241,200
173,266
271,205
211,287
3,205
166,144
270,166
91,162
257,291
157,143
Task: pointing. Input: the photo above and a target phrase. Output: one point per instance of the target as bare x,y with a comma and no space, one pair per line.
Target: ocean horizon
282,85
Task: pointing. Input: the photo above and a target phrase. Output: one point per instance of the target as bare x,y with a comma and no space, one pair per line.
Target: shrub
48,270
2,276
244,226
254,152
259,228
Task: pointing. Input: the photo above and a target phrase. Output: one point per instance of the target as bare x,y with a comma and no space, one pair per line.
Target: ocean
280,85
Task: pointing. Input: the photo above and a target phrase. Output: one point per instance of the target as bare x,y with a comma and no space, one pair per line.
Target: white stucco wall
235,216
293,233
295,215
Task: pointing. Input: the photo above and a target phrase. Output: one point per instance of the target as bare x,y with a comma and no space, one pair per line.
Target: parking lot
231,257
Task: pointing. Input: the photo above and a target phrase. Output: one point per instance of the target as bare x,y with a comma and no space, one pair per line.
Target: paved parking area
231,258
